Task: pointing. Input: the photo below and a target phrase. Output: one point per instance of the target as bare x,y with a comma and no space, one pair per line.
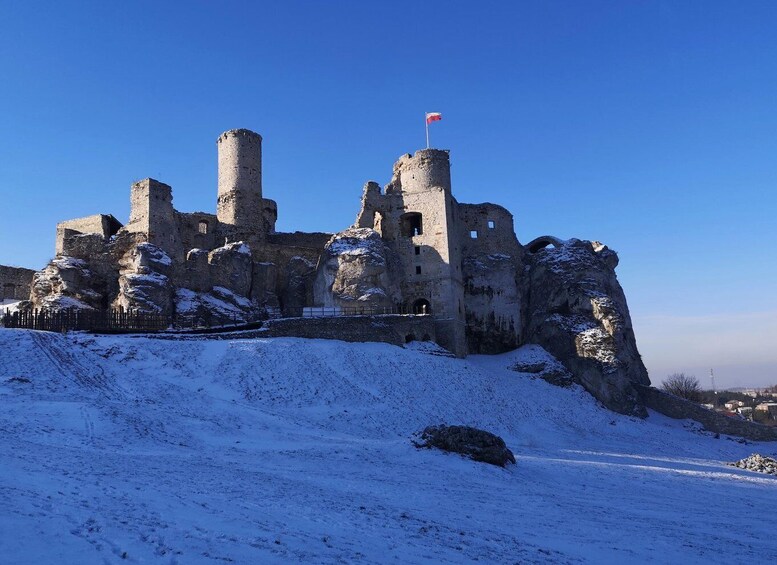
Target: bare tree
682,385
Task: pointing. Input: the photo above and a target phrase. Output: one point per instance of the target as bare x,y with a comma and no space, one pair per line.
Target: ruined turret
239,206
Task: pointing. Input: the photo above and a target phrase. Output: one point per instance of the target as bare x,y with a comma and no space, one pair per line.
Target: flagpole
426,121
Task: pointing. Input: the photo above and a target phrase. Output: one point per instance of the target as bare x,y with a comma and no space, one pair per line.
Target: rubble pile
757,463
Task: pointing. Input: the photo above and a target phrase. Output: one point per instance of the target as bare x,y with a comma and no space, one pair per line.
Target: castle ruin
412,248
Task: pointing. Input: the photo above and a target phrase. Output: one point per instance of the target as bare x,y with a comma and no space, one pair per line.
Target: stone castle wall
492,260
198,230
15,283
103,224
394,329
152,214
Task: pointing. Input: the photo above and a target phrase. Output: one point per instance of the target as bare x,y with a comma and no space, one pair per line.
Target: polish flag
433,117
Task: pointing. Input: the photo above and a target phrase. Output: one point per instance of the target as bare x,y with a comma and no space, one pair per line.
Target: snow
69,263
155,254
356,242
141,450
220,300
152,278
9,305
235,247
59,302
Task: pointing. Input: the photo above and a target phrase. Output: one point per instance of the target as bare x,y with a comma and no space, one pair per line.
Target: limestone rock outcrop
67,283
144,280
577,311
231,267
354,271
218,307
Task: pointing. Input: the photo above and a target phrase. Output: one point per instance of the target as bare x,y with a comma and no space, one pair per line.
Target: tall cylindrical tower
240,180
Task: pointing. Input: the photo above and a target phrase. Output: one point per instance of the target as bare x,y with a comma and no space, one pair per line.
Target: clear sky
650,126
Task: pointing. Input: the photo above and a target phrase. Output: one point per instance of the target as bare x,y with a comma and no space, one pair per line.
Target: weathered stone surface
67,283
757,463
354,271
15,283
231,268
393,329
299,285
218,307
476,444
144,280
577,311
493,300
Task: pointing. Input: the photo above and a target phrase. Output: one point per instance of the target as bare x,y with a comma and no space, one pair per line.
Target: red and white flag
433,117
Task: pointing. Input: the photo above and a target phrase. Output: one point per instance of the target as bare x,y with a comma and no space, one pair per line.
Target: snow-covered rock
144,280
67,283
220,306
354,271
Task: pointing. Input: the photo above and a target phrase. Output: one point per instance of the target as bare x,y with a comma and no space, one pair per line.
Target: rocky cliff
576,310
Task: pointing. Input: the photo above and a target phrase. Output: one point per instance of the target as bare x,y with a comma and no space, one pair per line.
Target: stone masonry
15,283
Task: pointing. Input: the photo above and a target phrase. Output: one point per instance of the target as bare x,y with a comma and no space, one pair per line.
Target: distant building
770,407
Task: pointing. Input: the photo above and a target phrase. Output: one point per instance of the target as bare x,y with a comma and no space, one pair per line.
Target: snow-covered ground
9,304
142,450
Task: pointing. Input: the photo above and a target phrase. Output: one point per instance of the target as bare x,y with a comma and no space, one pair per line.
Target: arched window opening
411,224
203,227
422,306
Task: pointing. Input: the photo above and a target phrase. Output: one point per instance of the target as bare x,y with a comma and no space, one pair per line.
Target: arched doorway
422,306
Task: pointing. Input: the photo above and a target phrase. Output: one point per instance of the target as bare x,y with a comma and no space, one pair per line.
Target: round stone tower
240,180
428,168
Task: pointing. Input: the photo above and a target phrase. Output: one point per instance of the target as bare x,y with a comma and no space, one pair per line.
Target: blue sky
650,126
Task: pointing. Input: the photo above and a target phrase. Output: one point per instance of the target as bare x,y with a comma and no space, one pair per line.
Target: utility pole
712,378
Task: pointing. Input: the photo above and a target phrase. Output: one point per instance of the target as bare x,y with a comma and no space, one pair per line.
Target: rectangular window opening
417,250
473,234
491,224
418,269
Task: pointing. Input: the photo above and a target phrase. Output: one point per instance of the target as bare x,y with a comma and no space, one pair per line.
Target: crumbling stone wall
492,267
394,329
103,224
15,283
198,230
152,215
